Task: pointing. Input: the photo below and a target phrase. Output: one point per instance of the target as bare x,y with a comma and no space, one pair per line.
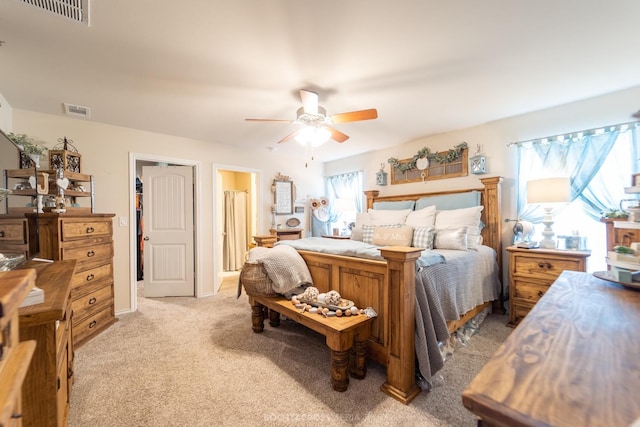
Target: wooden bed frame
389,287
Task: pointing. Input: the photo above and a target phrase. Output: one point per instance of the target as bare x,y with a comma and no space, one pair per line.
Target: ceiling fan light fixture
313,136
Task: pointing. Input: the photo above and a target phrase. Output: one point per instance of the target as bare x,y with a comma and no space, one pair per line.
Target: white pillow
388,217
466,217
422,218
451,238
362,218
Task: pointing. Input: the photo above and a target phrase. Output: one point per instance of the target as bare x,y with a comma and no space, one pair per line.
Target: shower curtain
235,230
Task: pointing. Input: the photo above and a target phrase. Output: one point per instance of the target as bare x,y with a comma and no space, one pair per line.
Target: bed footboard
389,287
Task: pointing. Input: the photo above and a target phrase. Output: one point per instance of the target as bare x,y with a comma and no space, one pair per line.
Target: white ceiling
198,68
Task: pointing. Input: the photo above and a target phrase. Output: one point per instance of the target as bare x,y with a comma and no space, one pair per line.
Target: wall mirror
282,195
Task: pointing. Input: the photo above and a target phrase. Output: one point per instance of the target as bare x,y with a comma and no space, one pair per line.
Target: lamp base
548,242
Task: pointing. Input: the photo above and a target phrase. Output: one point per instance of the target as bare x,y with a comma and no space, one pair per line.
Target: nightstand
532,271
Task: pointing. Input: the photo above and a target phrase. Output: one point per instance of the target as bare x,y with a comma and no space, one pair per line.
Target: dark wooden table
573,361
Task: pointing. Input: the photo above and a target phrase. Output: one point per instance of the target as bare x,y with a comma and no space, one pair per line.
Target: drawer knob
92,301
1,233
16,416
92,324
69,372
90,277
545,265
90,230
90,254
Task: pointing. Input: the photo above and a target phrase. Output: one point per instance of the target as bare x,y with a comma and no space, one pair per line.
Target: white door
168,231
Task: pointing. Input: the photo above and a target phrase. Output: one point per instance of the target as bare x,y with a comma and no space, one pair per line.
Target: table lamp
548,192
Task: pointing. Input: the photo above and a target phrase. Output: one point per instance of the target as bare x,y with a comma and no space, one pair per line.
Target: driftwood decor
426,166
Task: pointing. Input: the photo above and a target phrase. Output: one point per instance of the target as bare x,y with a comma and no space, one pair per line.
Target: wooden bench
343,334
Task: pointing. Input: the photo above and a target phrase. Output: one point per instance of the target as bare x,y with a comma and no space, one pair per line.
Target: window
345,194
600,164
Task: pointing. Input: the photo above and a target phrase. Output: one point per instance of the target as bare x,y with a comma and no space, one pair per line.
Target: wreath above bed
425,165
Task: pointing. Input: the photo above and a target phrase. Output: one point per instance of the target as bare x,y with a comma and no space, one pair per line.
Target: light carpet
197,362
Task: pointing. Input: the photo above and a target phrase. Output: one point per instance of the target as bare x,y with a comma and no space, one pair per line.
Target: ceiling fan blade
355,116
309,101
290,136
268,120
336,135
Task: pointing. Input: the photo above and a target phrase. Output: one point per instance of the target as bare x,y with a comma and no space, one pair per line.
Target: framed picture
635,180
283,197
299,209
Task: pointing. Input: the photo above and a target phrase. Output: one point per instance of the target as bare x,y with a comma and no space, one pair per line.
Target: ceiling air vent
77,10
77,110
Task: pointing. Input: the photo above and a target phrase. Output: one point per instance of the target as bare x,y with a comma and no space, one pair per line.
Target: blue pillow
404,204
448,202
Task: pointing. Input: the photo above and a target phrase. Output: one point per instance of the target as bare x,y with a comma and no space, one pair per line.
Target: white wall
604,110
105,154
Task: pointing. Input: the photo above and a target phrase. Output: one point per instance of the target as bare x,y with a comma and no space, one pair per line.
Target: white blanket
284,266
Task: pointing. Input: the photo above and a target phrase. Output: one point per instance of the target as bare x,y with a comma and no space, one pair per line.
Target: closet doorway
236,218
165,205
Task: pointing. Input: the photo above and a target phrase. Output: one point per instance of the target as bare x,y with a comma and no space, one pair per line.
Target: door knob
146,238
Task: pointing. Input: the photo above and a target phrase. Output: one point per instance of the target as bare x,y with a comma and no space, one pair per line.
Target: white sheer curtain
345,187
235,230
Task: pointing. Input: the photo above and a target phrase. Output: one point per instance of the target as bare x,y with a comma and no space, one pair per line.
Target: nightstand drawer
530,290
548,268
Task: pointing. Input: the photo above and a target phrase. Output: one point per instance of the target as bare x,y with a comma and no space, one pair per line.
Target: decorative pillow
467,217
388,217
451,238
400,205
368,232
392,236
450,201
423,237
362,218
422,218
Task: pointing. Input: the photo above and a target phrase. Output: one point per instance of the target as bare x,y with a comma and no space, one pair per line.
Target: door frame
197,242
218,206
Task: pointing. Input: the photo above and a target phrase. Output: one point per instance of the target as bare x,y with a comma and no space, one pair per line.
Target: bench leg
257,317
339,369
274,318
358,367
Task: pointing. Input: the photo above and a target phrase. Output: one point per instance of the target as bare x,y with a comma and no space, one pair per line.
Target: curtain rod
571,134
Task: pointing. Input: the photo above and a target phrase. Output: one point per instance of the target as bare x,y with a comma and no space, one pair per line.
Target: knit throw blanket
284,266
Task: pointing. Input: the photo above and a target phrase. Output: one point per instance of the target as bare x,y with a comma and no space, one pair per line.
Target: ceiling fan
315,125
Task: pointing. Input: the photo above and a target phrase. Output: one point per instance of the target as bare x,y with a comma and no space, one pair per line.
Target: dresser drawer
82,281
89,254
72,230
547,268
92,303
13,232
92,324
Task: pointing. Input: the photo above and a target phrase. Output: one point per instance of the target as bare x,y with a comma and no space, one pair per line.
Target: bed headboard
490,198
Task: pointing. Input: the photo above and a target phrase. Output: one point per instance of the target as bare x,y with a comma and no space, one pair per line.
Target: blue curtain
580,157
344,186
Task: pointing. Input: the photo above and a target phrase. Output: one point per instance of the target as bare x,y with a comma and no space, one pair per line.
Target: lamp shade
549,190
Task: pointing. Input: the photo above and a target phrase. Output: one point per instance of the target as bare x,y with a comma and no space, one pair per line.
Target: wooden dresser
15,356
87,238
47,387
18,234
573,361
532,271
